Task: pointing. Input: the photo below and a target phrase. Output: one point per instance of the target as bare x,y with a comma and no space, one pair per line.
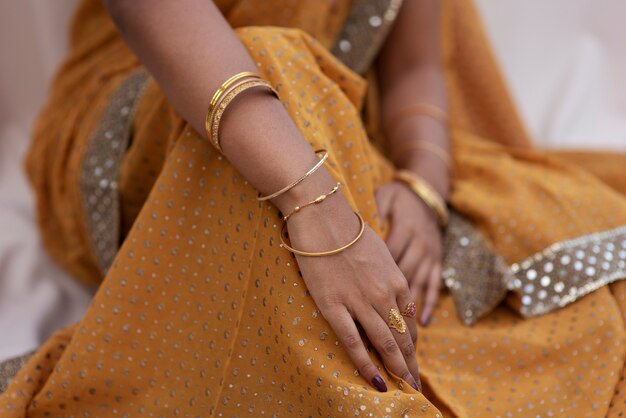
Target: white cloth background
36,297
565,61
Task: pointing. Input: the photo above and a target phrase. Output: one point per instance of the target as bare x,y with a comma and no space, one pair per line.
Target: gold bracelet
318,199
219,92
295,183
425,109
323,253
435,149
425,192
224,100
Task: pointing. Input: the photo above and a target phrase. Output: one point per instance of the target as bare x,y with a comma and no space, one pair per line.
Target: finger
344,327
384,200
419,279
399,237
391,345
432,294
404,301
411,258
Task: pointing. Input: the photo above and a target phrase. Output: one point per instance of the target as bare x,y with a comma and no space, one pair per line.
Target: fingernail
379,383
414,385
425,320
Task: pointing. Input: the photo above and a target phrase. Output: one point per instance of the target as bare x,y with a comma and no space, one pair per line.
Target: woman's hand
359,285
415,242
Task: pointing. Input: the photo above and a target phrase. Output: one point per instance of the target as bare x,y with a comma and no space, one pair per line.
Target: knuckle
401,287
352,342
330,300
408,349
389,346
368,369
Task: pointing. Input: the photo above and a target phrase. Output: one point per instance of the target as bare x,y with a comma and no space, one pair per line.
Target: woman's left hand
414,241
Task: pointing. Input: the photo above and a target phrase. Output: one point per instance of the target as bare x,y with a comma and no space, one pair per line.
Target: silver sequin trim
476,277
568,270
364,32
9,368
100,169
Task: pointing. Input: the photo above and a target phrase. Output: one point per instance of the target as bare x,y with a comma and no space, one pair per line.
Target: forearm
410,73
190,50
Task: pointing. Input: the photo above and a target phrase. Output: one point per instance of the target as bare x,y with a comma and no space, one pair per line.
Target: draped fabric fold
200,312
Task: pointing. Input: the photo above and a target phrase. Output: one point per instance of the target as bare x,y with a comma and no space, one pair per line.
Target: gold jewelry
425,192
218,93
410,310
396,321
425,109
323,253
318,199
437,150
224,100
295,183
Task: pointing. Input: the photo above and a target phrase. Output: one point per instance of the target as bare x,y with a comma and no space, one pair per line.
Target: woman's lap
203,311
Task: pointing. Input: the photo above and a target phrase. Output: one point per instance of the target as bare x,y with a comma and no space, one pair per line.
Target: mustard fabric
202,314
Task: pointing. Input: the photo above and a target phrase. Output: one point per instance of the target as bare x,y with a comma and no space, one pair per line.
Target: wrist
431,169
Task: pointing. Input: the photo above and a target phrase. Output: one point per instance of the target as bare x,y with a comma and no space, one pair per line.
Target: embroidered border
476,277
569,270
364,32
9,368
100,169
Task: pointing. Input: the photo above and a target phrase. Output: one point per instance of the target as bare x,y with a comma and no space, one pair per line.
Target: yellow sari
199,312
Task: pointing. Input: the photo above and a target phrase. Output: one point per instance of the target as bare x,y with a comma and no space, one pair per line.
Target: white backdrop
565,62
564,59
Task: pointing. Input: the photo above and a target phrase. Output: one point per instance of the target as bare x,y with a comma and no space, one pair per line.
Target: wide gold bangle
298,181
425,192
437,150
323,253
224,100
219,92
318,199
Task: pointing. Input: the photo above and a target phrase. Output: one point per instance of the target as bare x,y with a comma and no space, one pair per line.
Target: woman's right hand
361,284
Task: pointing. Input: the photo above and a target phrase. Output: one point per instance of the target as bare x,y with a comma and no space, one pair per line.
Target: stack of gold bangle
224,95
425,192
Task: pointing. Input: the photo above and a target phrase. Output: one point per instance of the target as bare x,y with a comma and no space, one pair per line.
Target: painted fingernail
379,383
425,320
414,385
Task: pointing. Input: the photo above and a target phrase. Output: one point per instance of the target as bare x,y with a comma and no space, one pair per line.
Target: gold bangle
219,92
224,100
425,109
323,253
295,183
318,199
425,192
435,149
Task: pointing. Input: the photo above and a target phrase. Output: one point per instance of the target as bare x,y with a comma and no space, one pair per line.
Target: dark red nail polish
379,383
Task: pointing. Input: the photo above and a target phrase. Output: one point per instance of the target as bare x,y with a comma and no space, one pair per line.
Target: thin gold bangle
295,183
220,91
323,253
223,102
434,149
318,199
426,192
425,109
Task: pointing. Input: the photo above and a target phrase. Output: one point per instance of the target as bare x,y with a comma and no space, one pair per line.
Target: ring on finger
410,310
396,321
